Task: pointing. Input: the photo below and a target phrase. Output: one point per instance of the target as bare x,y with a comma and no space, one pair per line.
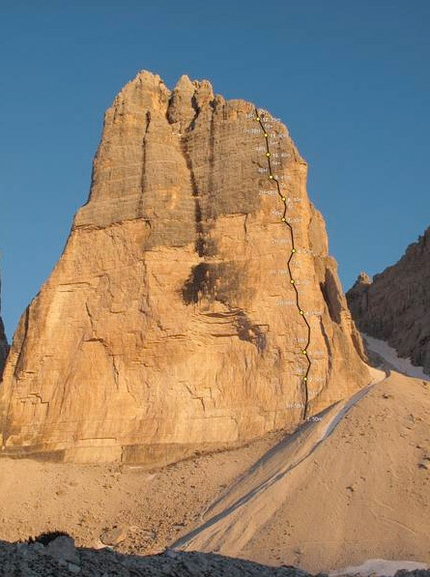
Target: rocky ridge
170,323
60,557
57,555
395,306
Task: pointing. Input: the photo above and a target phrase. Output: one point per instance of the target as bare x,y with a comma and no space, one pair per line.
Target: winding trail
259,117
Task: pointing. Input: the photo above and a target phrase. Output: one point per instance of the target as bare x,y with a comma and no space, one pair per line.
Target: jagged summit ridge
395,305
169,324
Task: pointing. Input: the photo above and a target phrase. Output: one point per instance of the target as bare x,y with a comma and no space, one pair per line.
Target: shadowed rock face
60,557
3,342
395,307
3,347
170,323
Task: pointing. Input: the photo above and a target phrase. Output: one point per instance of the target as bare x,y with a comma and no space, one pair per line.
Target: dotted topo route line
274,179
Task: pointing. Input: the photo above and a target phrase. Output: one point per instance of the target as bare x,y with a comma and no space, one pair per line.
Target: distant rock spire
364,278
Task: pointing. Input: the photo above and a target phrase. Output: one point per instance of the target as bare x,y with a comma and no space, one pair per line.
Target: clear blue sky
351,80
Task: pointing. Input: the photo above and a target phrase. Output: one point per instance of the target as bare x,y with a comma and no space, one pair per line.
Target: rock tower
177,317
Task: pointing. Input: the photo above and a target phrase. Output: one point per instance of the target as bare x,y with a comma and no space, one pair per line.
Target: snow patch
378,568
389,355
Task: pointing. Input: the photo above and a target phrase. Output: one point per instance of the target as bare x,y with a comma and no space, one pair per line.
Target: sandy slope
362,493
145,510
352,486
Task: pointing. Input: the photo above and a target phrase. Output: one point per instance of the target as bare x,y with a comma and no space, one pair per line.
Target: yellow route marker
259,118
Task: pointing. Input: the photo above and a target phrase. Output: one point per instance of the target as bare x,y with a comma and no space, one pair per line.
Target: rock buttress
169,324
395,306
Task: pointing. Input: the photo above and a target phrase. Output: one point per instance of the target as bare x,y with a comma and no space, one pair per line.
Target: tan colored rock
395,307
326,503
114,536
170,323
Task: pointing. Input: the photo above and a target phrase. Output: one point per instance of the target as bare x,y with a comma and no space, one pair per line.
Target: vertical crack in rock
184,110
245,228
23,344
115,371
196,397
199,244
4,347
200,241
20,343
144,305
101,340
330,293
196,109
166,241
209,247
144,155
211,195
327,345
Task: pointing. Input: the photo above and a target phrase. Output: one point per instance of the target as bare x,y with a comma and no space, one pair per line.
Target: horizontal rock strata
170,323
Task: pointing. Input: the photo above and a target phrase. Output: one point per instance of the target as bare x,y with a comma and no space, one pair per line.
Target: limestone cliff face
395,307
3,342
170,323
